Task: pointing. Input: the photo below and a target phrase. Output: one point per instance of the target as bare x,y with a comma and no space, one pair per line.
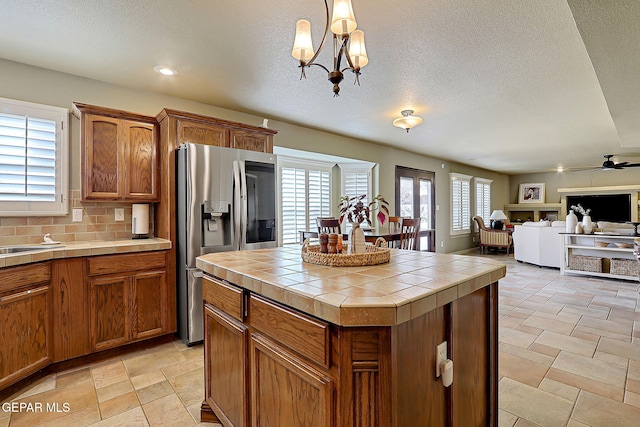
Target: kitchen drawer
227,298
23,276
131,262
307,336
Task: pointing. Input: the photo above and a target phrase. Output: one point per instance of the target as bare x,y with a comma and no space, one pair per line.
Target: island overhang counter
298,344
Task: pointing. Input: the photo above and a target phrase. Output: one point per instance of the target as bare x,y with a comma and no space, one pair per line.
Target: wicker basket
625,267
585,263
375,254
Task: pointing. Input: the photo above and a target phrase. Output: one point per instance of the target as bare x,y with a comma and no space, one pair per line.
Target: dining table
387,232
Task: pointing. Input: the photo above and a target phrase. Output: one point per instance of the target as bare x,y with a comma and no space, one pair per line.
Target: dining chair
409,233
328,225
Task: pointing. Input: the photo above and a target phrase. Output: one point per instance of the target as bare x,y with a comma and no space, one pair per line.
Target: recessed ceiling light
166,71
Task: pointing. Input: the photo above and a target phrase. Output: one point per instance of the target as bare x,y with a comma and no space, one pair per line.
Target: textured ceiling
511,86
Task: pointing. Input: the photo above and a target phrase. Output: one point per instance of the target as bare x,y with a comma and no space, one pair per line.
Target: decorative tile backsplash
98,223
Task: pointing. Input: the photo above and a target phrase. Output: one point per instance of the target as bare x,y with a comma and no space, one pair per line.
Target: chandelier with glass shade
347,42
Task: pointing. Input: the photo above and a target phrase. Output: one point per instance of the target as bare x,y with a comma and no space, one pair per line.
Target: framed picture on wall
531,193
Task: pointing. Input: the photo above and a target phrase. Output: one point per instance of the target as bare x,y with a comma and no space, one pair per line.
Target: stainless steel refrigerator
226,201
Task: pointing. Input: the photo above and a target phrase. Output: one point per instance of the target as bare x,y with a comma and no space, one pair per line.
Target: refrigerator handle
237,202
243,205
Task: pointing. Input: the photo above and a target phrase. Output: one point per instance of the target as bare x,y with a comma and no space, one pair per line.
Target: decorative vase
587,225
571,221
356,244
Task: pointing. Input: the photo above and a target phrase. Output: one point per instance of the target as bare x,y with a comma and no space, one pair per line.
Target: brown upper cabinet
119,154
182,127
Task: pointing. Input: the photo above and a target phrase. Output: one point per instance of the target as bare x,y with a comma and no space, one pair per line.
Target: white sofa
539,243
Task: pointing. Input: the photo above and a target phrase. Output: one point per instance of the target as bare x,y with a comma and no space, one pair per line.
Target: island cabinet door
286,390
227,367
25,340
109,311
149,304
474,355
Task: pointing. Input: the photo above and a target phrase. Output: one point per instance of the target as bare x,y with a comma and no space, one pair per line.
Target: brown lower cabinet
58,310
25,323
270,365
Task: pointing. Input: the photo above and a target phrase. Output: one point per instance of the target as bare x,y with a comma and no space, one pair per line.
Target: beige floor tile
189,387
623,349
568,343
119,404
529,330
634,370
114,390
72,377
4,422
132,418
183,367
168,411
78,397
588,384
591,368
598,313
84,417
631,398
585,336
45,384
517,338
505,419
620,326
524,423
574,423
559,389
510,322
522,370
152,361
612,358
601,333
547,307
154,392
534,356
108,374
547,324
614,302
633,385
543,349
597,411
147,379
534,405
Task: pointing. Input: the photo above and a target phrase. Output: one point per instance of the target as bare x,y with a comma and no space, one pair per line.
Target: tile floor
569,356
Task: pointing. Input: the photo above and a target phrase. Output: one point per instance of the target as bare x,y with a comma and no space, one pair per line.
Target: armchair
493,238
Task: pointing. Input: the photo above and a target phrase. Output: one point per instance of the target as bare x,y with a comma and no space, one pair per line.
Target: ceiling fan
607,165
610,164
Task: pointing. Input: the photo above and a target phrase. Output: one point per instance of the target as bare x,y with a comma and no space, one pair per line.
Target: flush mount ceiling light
165,71
407,121
347,42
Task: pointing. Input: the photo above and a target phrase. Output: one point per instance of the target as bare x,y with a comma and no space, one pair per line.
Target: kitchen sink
6,250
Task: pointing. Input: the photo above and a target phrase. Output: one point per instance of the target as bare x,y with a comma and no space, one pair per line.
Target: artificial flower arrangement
355,211
579,209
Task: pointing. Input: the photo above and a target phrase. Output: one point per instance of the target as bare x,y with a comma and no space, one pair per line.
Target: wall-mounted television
604,207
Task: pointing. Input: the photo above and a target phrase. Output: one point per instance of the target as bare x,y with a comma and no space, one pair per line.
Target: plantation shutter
460,204
293,204
356,184
27,159
319,196
483,199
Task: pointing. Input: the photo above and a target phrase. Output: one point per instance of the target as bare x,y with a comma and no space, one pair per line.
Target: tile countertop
88,248
410,285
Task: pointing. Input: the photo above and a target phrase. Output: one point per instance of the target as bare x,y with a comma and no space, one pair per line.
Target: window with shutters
305,193
483,198
34,156
355,181
460,203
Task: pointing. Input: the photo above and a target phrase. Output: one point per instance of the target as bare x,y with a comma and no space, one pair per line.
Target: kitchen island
289,343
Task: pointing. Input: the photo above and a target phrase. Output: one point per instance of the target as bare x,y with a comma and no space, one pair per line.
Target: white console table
585,244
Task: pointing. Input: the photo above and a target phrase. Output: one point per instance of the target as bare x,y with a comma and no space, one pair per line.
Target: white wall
49,87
